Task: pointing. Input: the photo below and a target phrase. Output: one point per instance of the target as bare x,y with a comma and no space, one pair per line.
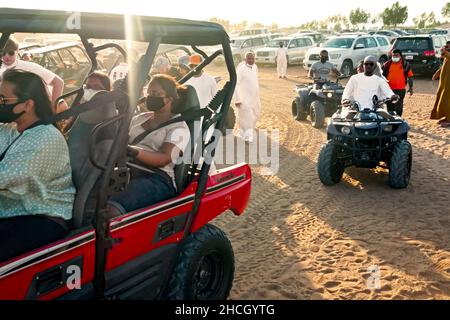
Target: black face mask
6,112
154,103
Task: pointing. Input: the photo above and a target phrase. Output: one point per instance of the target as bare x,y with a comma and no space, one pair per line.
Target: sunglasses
10,53
369,64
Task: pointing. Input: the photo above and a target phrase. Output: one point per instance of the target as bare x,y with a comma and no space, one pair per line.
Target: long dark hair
29,86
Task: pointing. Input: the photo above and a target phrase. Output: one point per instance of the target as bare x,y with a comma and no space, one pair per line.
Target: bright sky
282,12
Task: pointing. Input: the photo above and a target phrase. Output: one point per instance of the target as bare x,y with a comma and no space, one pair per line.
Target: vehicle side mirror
360,46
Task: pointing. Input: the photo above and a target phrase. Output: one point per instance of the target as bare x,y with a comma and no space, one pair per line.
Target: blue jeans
143,192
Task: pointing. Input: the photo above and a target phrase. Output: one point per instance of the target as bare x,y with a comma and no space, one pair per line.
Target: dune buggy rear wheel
317,114
297,113
400,165
205,267
329,168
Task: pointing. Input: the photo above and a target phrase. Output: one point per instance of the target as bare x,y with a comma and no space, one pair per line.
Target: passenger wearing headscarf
363,86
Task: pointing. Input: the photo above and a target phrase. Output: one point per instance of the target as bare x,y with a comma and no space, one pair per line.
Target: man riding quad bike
364,134
166,250
320,99
366,138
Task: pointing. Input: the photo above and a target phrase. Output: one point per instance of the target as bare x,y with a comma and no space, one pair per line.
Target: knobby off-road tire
317,114
400,165
329,168
205,267
297,113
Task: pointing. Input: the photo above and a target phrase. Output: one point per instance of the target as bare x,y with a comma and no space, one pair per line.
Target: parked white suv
297,48
241,45
346,51
254,32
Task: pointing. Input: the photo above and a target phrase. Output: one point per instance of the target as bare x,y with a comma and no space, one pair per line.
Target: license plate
409,57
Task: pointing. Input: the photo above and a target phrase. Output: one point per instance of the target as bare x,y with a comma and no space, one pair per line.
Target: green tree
395,15
358,17
446,10
425,20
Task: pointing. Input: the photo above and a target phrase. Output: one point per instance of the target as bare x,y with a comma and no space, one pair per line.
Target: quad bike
164,251
318,100
366,138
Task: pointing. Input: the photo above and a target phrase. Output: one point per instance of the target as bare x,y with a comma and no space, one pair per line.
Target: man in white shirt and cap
247,101
362,87
282,60
204,84
10,60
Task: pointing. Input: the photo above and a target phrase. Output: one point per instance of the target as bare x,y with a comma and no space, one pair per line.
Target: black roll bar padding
200,66
200,52
117,157
204,171
95,131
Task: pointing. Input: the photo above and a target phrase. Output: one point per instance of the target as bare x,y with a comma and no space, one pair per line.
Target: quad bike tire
205,267
297,113
400,165
317,114
328,167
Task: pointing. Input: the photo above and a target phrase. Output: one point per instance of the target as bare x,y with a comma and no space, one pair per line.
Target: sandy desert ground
299,239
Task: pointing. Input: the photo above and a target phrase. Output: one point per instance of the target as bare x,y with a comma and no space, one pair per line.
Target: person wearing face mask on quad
159,150
363,86
322,69
398,73
36,188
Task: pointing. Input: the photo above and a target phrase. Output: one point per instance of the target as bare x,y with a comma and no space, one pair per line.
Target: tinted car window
360,41
300,42
258,42
382,41
370,43
308,42
414,44
247,44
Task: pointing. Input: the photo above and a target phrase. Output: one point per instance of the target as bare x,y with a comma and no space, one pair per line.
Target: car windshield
339,43
414,44
438,32
276,43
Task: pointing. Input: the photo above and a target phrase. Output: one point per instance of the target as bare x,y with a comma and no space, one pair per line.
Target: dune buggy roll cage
154,31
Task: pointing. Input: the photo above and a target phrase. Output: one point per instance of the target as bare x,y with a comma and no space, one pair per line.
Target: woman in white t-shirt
160,149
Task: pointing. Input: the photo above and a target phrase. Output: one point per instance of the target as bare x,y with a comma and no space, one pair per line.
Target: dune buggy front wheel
329,168
205,267
400,165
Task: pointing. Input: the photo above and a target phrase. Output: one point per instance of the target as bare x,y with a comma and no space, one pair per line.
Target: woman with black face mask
36,189
159,150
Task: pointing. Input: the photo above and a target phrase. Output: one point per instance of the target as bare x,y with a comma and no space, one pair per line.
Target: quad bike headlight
345,130
388,128
329,95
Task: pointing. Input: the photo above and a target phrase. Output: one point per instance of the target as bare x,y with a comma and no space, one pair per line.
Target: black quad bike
318,100
366,139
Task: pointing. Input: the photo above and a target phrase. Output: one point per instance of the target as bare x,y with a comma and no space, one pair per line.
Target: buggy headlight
345,130
329,95
388,128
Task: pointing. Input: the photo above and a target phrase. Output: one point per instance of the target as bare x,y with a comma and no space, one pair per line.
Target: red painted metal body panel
15,285
228,189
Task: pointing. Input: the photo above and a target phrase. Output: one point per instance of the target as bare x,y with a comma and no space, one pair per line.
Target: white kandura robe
282,62
247,93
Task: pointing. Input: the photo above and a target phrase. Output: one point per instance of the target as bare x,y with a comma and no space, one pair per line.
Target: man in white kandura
363,86
282,60
247,96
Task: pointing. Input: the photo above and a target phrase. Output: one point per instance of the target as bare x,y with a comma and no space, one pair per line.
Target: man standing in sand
247,97
282,60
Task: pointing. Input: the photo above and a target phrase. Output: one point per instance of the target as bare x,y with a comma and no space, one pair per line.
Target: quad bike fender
227,189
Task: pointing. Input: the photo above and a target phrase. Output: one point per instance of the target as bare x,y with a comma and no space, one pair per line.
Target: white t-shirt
46,75
205,86
361,88
176,133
